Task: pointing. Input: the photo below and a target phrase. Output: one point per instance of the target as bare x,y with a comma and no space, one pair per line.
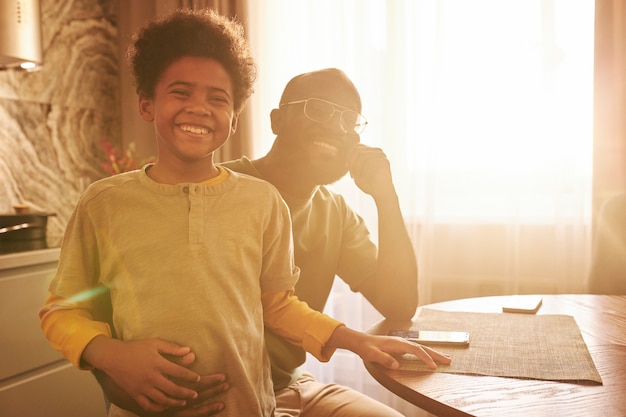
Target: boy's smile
192,111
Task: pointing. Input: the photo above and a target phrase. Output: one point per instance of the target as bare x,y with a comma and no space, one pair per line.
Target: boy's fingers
171,348
430,356
184,360
425,357
426,354
174,371
208,381
438,356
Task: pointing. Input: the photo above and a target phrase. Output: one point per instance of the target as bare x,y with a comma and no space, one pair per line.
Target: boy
192,253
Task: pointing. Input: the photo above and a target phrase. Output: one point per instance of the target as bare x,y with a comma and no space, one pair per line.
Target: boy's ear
276,117
145,108
233,124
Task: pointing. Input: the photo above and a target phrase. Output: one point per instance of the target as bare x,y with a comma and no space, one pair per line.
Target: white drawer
58,390
22,344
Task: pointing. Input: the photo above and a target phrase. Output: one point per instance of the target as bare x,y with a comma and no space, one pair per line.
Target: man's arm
205,405
393,292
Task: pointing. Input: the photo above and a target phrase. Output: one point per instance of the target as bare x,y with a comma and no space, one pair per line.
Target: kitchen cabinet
35,380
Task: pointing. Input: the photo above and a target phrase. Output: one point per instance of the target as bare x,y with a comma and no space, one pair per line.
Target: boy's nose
199,107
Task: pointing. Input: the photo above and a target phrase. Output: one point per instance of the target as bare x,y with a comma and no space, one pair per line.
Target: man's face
318,150
192,110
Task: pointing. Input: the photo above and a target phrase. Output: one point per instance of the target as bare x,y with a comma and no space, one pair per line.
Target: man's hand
370,169
205,405
140,369
380,349
208,388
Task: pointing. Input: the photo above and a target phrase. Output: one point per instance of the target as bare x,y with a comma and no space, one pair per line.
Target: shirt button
186,190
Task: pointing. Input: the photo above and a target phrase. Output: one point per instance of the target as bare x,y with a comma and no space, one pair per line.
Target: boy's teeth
196,130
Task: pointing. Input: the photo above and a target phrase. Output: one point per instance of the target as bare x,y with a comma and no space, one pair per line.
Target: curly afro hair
201,33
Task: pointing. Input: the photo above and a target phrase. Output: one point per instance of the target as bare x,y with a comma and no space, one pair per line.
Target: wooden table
602,322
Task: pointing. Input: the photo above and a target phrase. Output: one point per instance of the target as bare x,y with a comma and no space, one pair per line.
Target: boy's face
192,110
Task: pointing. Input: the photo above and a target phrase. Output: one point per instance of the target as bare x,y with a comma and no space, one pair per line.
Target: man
317,126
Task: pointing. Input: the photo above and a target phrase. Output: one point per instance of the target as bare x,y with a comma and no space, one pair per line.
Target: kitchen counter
27,258
35,380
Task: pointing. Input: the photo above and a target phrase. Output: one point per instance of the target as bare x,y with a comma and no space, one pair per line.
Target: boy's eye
182,93
218,99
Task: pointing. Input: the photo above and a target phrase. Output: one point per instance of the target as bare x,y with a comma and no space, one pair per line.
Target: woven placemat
545,347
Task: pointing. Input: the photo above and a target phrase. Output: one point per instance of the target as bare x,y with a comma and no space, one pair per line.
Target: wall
52,121
609,153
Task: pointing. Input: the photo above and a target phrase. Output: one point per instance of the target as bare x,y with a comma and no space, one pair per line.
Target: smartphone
433,337
528,304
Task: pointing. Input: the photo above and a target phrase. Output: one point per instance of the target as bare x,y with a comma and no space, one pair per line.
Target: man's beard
326,172
313,167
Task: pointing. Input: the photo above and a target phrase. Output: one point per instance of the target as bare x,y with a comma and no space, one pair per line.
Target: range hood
20,35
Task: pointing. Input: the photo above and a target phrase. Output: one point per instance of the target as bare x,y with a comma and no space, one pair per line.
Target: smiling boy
192,253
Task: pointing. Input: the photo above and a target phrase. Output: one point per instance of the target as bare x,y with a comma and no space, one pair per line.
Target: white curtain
484,109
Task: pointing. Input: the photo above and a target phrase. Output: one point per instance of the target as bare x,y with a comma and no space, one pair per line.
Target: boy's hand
140,369
380,349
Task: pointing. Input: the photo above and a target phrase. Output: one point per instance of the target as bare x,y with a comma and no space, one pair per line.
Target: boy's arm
299,324
381,349
138,367
69,328
321,335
